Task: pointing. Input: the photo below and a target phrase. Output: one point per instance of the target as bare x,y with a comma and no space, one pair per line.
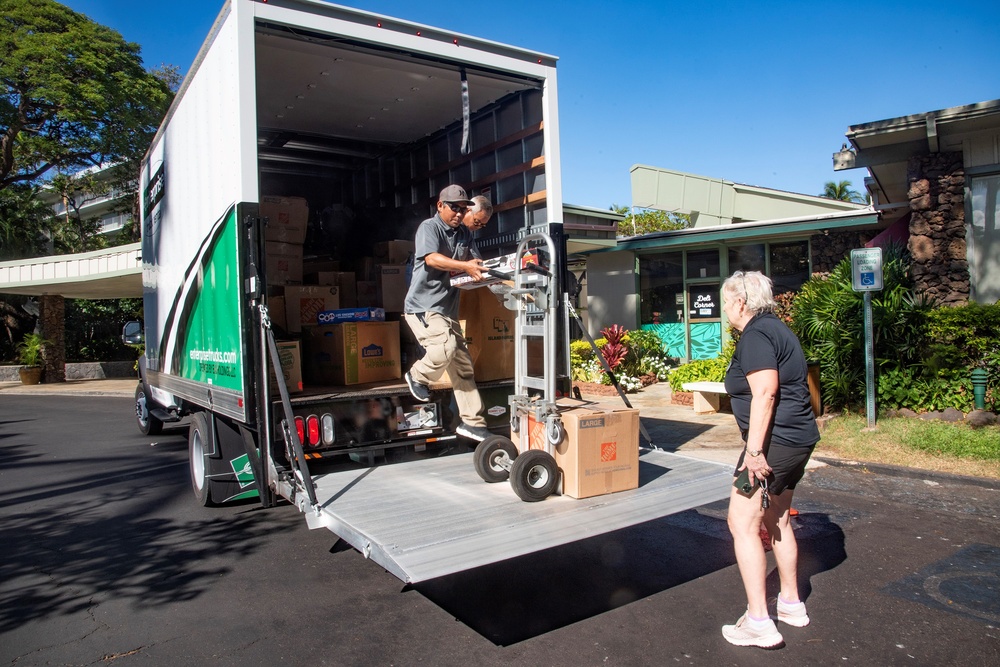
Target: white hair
751,286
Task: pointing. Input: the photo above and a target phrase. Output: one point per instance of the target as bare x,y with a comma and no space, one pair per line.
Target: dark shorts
788,465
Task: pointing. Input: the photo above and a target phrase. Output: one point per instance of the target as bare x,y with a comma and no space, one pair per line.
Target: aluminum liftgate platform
429,518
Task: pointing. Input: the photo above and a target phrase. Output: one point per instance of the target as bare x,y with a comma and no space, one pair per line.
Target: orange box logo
536,433
609,452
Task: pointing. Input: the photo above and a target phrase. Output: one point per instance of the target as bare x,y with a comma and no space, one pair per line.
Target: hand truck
534,296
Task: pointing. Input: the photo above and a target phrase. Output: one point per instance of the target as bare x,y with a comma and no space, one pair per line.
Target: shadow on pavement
525,597
67,551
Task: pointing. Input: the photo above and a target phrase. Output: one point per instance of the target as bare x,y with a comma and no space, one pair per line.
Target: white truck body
353,112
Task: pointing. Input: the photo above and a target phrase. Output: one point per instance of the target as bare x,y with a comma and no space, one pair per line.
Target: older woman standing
767,381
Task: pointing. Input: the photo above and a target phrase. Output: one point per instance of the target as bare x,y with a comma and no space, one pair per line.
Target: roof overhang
753,231
114,273
885,146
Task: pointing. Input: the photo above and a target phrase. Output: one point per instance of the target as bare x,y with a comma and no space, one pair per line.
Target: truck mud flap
434,517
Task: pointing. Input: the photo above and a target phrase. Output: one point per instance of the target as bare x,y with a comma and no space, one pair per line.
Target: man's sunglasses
457,208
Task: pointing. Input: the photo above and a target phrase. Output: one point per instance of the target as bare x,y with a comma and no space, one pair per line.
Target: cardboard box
283,262
304,303
599,452
312,266
287,218
393,252
345,281
368,294
353,353
289,353
392,287
351,315
277,313
501,270
489,332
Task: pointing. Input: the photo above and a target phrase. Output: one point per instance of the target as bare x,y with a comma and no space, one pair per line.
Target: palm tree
842,192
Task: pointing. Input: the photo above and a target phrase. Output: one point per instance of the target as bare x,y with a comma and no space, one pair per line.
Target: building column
52,323
940,267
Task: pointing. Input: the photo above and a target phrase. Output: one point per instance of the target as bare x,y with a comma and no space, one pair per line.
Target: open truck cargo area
280,198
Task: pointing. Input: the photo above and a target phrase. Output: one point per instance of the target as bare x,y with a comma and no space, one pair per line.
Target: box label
592,422
609,451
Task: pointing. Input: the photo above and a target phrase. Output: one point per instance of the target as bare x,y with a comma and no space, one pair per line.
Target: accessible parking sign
866,269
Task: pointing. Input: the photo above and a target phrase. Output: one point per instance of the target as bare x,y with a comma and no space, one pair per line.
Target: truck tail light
312,430
300,428
326,428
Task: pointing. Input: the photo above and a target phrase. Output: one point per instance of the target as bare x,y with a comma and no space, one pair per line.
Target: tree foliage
75,93
647,221
22,222
842,192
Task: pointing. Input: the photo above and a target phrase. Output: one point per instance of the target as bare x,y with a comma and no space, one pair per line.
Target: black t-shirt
766,343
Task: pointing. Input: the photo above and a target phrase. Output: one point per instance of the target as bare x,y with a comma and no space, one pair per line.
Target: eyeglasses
746,294
457,208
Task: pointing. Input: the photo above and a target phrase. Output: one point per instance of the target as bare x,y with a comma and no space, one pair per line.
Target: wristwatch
754,452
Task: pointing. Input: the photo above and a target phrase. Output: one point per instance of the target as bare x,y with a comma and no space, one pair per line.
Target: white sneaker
762,634
792,613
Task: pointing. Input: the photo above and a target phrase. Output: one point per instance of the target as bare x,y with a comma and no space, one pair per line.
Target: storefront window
703,264
661,284
747,258
789,266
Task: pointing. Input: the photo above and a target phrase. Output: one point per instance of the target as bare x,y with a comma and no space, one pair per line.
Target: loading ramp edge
430,518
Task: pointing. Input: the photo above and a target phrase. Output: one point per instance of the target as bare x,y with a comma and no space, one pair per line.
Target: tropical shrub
702,370
828,317
631,354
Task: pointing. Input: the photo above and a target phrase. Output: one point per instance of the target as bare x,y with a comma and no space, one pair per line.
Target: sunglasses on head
457,208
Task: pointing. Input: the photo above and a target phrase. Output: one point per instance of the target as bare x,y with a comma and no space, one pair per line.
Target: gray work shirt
430,289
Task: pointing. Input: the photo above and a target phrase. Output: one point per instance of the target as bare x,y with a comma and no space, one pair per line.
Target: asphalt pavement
107,558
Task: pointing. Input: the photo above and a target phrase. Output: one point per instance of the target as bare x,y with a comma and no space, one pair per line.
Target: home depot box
304,302
392,287
287,218
489,332
393,252
353,353
345,281
290,356
283,262
599,451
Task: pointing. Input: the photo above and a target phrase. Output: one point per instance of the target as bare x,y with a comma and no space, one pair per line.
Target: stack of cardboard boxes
319,305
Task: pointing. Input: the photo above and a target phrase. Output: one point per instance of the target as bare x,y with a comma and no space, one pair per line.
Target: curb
912,473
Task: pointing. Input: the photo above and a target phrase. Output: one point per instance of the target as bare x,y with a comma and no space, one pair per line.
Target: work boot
419,391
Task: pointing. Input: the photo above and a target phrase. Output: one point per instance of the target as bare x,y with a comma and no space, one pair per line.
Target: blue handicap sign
867,277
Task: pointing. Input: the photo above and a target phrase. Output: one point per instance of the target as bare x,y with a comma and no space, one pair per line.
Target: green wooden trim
744,232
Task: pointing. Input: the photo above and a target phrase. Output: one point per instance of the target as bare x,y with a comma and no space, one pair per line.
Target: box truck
280,197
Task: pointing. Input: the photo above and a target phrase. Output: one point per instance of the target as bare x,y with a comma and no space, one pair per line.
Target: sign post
866,277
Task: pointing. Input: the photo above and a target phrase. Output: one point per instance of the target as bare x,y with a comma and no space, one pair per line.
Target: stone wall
830,249
52,323
937,227
82,370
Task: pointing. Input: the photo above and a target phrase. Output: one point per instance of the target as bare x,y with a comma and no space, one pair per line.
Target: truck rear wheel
200,441
489,458
148,424
534,475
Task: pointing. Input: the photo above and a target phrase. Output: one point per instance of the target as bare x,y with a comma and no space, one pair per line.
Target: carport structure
112,273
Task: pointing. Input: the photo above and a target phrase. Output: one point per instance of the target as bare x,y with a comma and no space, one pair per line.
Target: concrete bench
706,395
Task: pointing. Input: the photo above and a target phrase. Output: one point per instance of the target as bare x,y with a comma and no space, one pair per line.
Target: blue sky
756,93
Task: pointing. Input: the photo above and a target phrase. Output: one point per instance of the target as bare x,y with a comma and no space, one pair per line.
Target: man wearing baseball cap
444,245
